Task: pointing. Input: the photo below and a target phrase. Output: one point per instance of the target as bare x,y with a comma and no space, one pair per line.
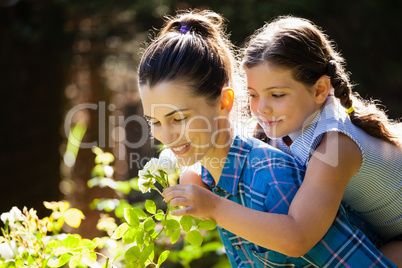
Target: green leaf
71,241
133,253
60,261
207,225
52,244
186,222
150,206
131,217
90,257
88,244
163,257
171,224
74,261
169,232
153,234
140,238
146,253
149,224
194,237
30,260
140,213
120,231
160,215
130,236
175,236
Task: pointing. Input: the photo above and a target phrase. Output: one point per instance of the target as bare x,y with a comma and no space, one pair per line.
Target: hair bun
331,68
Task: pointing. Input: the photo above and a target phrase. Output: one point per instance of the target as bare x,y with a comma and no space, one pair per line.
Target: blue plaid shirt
266,179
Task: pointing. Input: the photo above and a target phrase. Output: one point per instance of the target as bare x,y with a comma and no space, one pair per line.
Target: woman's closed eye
152,122
181,119
278,95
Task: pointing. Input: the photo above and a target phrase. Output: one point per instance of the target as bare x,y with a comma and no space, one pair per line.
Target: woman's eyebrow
270,88
168,114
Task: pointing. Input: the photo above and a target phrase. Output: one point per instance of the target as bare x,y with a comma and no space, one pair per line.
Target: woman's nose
170,135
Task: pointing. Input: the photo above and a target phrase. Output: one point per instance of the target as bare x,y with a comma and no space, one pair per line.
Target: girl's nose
264,107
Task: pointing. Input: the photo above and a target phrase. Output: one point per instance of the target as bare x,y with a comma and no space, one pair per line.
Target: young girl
299,88
186,77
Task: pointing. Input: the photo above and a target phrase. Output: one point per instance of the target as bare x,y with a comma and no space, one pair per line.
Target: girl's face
280,104
185,123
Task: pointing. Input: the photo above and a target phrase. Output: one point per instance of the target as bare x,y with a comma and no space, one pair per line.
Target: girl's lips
180,149
270,123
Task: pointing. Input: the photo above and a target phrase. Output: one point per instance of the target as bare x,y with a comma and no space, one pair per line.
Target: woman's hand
189,176
195,200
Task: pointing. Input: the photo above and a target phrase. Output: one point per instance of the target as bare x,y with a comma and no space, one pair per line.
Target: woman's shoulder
257,147
263,159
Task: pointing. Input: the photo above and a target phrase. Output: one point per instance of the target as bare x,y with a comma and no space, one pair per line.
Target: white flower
6,252
13,216
145,183
166,165
151,166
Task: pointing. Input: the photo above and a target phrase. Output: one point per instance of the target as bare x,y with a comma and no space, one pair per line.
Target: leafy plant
28,241
142,227
148,235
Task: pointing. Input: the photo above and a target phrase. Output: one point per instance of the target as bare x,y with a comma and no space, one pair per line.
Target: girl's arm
335,161
311,212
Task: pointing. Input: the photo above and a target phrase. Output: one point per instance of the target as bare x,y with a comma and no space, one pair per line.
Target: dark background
55,54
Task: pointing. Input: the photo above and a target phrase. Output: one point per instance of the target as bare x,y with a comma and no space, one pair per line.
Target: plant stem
166,213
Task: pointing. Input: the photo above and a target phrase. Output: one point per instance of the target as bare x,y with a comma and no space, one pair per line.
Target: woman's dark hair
193,49
299,45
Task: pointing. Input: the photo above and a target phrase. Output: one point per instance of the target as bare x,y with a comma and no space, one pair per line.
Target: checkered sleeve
345,245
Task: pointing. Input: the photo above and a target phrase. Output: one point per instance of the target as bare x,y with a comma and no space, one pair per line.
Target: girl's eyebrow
168,114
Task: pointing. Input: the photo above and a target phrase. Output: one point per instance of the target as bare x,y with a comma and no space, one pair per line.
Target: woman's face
280,104
185,123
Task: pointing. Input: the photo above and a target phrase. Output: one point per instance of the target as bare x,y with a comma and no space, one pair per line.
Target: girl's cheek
253,105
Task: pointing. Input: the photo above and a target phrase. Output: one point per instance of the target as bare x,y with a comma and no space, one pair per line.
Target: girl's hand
195,200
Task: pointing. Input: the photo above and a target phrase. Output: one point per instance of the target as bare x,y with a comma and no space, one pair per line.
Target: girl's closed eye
252,94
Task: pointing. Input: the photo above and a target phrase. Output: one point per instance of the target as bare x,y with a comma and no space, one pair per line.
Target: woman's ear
227,97
322,88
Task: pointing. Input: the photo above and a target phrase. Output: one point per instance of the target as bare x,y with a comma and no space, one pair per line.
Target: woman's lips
180,149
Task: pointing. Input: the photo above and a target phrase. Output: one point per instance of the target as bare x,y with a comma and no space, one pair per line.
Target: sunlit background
73,63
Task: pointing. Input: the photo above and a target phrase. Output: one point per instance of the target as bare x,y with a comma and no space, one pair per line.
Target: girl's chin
272,136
